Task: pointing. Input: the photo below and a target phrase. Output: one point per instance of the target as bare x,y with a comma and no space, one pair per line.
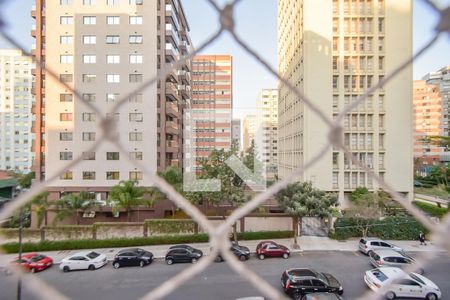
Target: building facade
266,139
104,50
236,133
333,60
16,102
249,131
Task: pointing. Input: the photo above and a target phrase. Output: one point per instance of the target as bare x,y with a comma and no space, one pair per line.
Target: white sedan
398,284
84,260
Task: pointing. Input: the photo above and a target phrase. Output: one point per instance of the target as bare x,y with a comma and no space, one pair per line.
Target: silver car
391,258
366,245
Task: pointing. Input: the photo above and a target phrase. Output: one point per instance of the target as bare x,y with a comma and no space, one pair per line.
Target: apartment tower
236,133
104,50
266,139
15,104
249,131
333,60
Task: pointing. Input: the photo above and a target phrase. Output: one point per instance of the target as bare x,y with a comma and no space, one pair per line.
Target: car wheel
285,255
169,261
242,258
141,264
194,260
116,265
261,256
431,296
390,295
91,268
218,259
297,296
66,269
368,253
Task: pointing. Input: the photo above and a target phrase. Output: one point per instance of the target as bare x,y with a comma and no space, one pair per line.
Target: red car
271,249
35,262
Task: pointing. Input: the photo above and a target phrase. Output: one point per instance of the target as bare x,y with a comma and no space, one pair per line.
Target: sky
256,23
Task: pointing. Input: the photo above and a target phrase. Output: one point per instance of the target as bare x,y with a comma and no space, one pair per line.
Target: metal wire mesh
219,235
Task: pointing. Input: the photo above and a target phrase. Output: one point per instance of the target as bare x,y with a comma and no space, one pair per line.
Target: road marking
356,254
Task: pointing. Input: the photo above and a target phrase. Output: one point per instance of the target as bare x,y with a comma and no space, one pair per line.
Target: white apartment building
266,137
16,103
334,59
249,131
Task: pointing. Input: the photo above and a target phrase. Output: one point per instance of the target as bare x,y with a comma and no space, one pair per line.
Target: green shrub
391,228
172,226
264,235
431,209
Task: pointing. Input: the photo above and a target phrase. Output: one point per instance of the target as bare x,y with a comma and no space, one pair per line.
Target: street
217,282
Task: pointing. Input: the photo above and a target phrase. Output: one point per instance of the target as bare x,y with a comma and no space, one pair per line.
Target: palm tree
40,205
126,194
73,205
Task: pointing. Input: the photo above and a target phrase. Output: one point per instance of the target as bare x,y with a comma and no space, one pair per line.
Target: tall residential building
104,50
16,103
212,104
236,133
428,120
333,60
266,139
249,131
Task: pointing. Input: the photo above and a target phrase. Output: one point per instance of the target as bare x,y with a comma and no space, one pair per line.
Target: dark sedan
132,257
241,252
183,253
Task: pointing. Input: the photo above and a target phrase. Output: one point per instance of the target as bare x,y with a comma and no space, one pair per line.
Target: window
136,59
137,2
88,155
113,20
89,20
112,39
66,59
134,175
136,20
89,78
65,136
135,136
89,59
112,175
113,59
112,78
88,175
66,20
66,39
113,116
88,136
65,2
66,78
88,2
112,156
135,39
65,155
89,97
65,97
66,176
135,117
88,117
112,2
112,97
65,117
136,98
136,155
89,39
135,78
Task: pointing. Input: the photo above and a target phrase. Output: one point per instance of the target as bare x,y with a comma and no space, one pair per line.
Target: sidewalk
307,243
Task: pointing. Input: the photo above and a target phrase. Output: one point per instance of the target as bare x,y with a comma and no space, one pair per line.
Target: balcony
172,91
184,90
171,51
172,109
174,163
171,33
172,146
184,76
172,127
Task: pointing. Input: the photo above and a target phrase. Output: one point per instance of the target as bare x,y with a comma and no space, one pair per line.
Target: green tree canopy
126,195
73,205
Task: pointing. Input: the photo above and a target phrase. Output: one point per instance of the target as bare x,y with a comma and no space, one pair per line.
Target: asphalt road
217,282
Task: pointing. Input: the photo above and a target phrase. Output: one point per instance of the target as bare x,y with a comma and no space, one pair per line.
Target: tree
26,180
126,194
40,205
73,205
172,176
301,199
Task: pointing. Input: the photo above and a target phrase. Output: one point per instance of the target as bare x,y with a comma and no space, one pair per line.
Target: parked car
322,296
401,285
84,260
34,262
391,258
241,252
299,282
369,244
183,253
132,257
272,249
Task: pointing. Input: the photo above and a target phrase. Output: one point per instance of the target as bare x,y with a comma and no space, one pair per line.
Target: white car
368,244
399,284
84,260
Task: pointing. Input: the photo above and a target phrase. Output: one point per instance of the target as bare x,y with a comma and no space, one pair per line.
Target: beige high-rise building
104,50
334,59
249,131
266,138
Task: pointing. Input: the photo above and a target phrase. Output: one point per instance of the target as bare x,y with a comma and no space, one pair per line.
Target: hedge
172,226
431,209
391,228
144,241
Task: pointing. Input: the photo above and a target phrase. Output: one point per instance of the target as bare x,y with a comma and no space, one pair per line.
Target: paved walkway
307,243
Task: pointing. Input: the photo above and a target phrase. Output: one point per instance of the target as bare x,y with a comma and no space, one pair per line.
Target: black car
132,257
299,282
322,296
183,253
241,252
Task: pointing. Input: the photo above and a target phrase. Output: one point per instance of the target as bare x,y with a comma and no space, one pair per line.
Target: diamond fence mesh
219,235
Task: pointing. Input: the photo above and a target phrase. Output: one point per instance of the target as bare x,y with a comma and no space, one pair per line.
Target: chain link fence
219,235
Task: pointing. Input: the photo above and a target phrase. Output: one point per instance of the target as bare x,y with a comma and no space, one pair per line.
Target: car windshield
417,279
362,241
37,258
323,277
93,255
379,275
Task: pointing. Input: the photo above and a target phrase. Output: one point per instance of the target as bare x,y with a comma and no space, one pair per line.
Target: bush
431,209
390,228
144,241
